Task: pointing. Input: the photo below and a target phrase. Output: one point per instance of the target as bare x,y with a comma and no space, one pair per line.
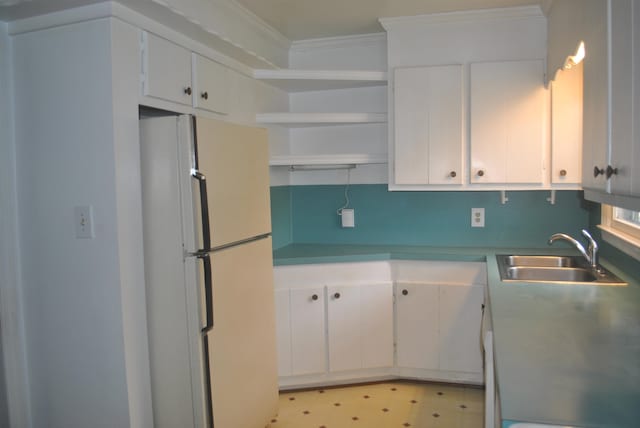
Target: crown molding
358,40
546,5
63,17
222,24
475,16
235,25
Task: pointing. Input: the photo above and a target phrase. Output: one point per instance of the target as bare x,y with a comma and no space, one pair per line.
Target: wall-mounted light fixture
573,60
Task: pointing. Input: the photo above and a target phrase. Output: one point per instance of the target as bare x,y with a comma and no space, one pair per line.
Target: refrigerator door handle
204,207
208,290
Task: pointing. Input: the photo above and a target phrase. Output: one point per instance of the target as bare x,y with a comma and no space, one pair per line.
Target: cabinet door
308,346
417,326
360,326
167,70
508,122
635,171
595,95
622,95
343,313
210,85
428,125
376,325
283,331
460,318
566,126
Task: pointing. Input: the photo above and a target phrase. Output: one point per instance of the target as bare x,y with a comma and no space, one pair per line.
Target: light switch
84,222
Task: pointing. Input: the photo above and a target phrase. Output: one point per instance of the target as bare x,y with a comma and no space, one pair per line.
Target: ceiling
301,19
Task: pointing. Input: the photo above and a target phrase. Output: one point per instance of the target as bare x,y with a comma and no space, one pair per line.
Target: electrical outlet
84,222
477,217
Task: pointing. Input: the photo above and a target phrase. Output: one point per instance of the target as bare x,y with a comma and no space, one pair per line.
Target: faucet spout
591,255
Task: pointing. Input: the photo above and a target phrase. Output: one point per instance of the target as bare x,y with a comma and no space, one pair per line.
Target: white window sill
625,243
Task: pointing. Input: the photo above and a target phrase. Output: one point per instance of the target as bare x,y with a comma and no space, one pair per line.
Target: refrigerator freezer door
235,161
242,344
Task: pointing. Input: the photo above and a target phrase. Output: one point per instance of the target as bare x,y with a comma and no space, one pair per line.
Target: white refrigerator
208,273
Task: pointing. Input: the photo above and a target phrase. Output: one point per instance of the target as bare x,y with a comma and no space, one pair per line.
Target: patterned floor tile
398,404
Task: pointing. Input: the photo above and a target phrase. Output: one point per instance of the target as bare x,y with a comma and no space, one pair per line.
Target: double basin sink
553,269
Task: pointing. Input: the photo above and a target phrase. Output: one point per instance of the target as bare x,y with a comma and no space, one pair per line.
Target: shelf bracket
503,197
552,197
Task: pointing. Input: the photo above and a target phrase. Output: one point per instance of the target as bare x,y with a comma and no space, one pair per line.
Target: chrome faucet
591,254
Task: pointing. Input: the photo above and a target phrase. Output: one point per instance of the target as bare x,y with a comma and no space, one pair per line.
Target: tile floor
383,405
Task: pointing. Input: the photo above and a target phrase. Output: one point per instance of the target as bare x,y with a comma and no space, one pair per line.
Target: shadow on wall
307,214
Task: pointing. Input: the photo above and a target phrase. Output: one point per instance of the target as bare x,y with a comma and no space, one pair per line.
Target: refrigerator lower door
242,342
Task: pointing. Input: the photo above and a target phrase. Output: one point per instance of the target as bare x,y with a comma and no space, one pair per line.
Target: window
621,228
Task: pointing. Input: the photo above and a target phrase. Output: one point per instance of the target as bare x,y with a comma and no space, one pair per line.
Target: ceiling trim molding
234,24
63,17
224,26
257,23
476,16
340,42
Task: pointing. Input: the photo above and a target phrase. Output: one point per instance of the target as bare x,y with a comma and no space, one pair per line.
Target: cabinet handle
405,292
563,173
314,297
336,296
205,95
187,90
480,173
611,171
452,174
597,171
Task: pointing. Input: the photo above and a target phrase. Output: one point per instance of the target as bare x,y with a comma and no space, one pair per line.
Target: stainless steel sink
550,269
541,261
552,274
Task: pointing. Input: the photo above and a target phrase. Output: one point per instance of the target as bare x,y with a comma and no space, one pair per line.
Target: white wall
15,396
128,193
73,288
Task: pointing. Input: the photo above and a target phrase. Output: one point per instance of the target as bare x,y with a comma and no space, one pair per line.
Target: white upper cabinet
566,126
210,85
509,110
623,170
611,159
173,73
595,116
166,70
428,125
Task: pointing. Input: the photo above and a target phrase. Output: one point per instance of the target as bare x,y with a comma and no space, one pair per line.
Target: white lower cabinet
300,325
352,330
460,319
438,327
360,326
417,326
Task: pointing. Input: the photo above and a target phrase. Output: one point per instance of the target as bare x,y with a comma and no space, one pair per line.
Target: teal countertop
565,355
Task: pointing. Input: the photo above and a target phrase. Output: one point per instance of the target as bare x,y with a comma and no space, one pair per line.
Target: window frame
620,234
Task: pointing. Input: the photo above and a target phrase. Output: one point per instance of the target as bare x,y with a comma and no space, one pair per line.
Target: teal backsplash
307,214
281,216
